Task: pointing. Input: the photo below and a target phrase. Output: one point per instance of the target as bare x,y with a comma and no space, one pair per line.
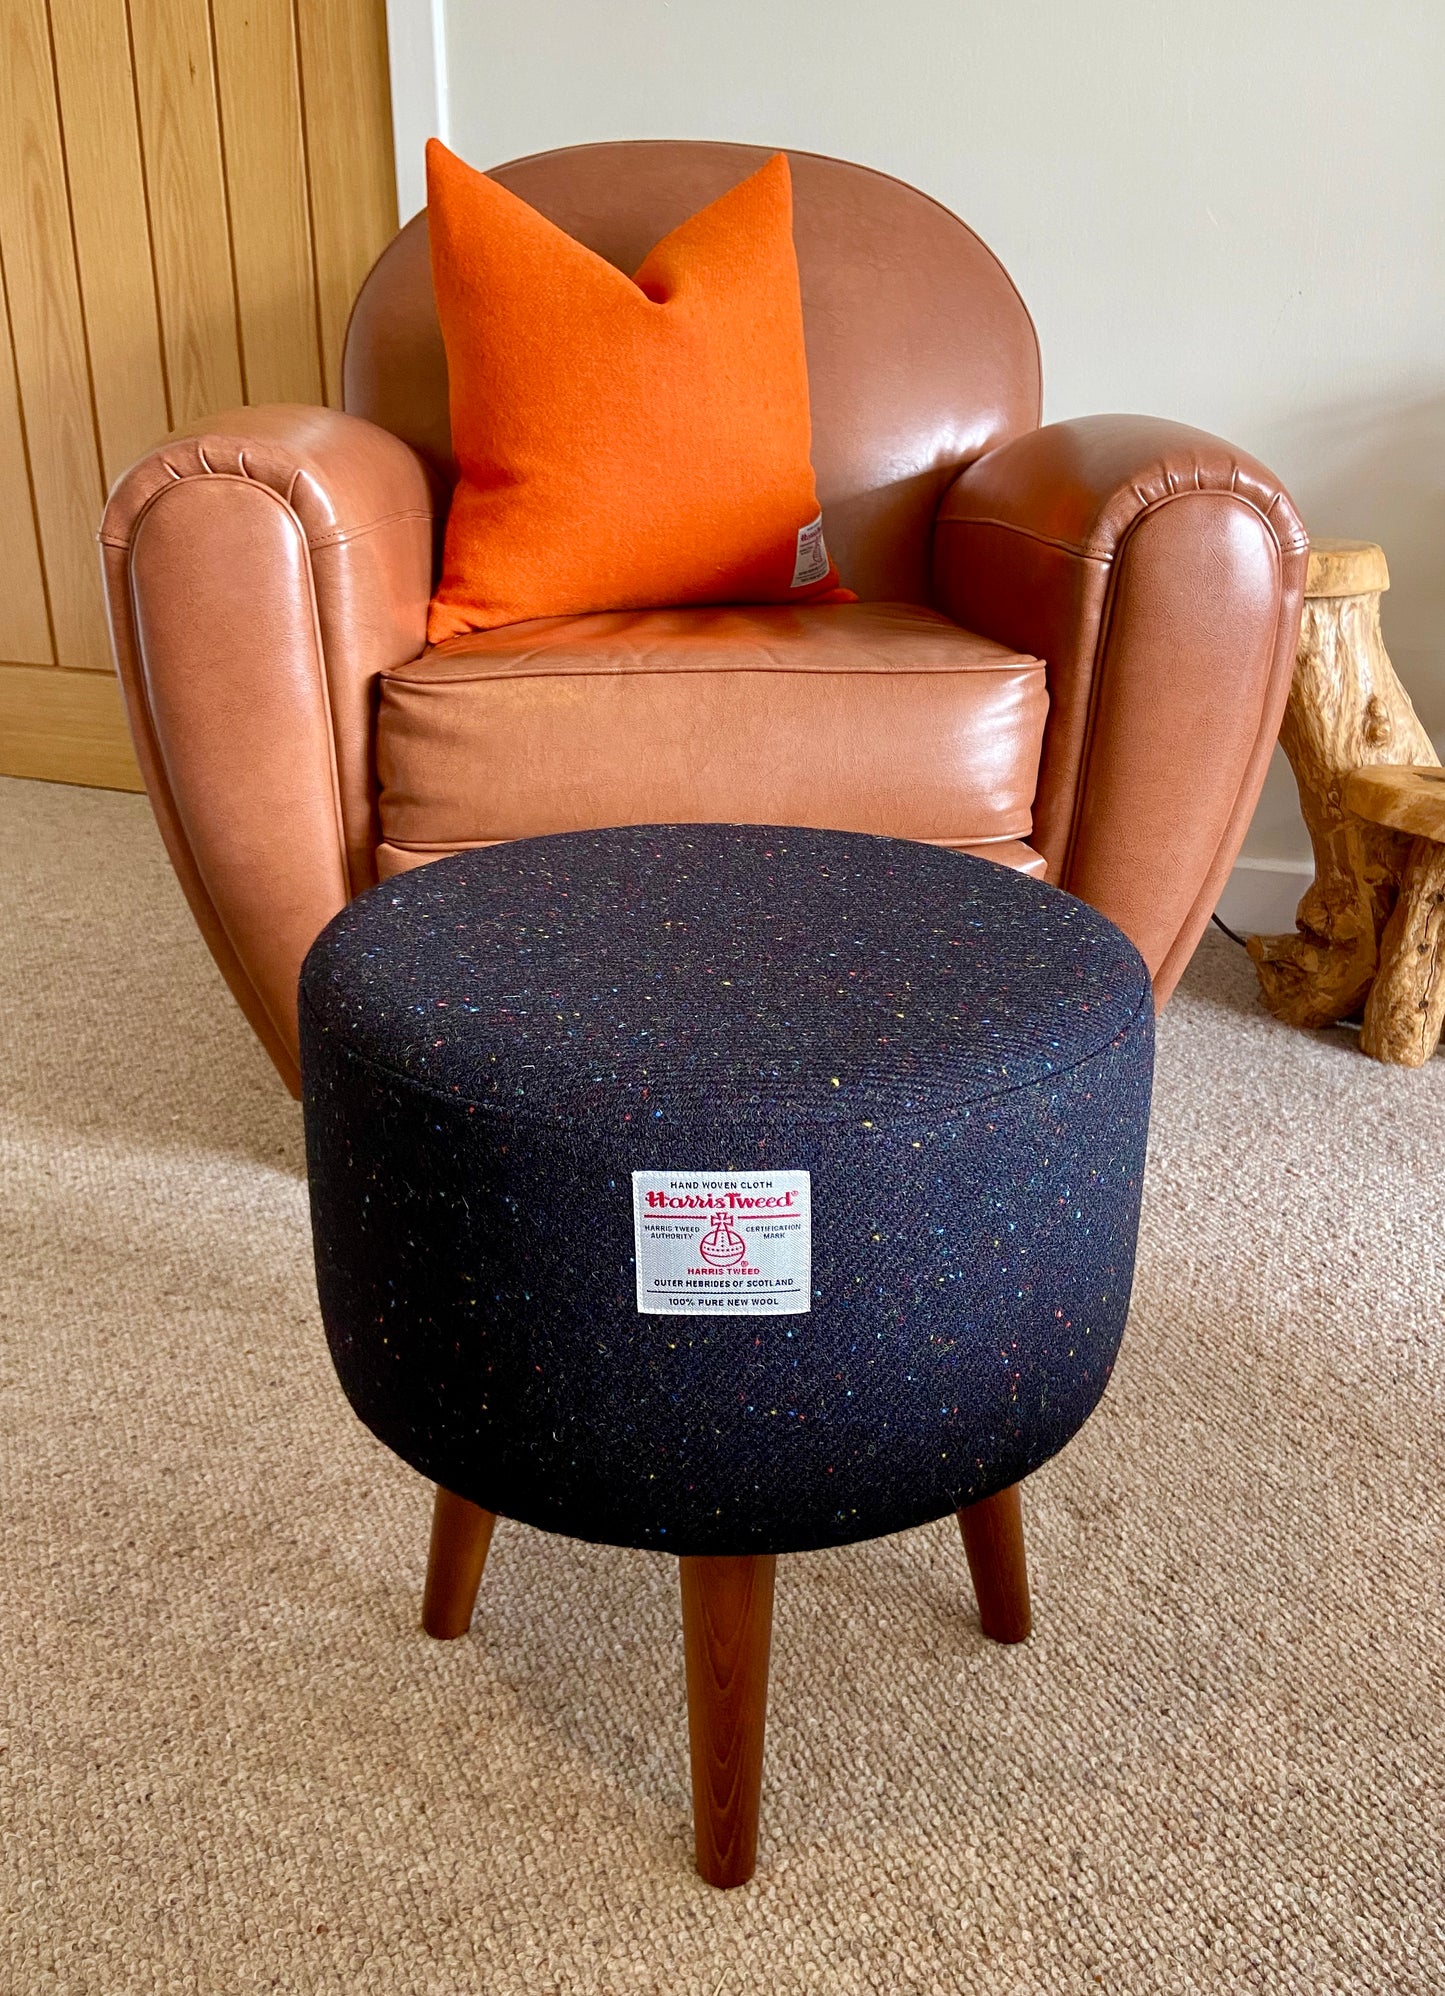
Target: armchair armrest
1160,574
260,571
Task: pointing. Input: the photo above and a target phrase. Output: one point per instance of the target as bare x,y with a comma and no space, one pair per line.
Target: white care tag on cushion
723,1240
812,563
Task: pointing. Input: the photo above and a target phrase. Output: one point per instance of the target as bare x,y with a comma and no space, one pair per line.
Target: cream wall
1227,211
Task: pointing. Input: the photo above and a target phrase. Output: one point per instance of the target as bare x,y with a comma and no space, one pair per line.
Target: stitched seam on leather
1112,561
1106,628
163,763
163,780
1090,550
332,537
343,534
485,845
1028,534
1092,699
208,477
342,537
393,676
1263,737
324,689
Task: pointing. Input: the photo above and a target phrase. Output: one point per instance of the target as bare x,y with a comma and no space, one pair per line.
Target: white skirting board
1261,895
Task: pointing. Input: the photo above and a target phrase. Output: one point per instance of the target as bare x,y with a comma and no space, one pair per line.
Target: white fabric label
812,562
723,1240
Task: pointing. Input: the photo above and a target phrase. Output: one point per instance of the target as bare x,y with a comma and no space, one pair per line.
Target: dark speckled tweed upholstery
959,1056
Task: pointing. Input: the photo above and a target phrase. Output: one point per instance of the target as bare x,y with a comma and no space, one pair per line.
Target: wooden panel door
190,193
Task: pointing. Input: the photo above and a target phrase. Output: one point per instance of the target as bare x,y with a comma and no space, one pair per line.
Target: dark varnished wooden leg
460,1535
993,1538
727,1626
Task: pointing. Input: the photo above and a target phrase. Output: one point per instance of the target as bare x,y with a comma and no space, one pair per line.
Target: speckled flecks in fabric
959,1055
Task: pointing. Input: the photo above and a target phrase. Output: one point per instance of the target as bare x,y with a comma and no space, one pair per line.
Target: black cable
1229,932
1350,1025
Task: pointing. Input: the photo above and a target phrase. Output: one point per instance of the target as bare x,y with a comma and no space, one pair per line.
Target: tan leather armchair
1071,654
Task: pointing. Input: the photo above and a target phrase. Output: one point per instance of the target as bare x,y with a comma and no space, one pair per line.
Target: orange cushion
622,442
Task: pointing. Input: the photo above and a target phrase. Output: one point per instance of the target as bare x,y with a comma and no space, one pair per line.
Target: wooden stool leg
993,1538
460,1535
727,1625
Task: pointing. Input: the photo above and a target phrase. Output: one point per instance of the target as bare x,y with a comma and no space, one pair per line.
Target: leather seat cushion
870,717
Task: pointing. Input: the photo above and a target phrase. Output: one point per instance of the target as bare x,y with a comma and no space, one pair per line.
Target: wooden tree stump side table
1406,1006
1347,714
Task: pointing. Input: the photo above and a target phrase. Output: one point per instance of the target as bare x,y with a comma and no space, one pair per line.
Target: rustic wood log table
1367,937
1406,1005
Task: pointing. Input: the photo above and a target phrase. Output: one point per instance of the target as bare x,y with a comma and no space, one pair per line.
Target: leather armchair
1072,654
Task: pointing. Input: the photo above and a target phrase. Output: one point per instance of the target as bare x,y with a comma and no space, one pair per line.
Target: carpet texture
229,1762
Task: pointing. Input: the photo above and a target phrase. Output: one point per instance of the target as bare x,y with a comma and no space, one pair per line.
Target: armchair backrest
921,355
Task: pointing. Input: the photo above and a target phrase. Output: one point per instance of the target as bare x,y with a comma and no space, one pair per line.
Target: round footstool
728,1191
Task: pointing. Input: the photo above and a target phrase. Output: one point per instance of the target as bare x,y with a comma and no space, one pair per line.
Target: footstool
727,1191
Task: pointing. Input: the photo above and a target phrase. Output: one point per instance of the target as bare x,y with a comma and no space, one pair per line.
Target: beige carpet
229,1762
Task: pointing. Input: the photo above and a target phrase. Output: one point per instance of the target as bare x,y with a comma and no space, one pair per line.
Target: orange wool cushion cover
623,443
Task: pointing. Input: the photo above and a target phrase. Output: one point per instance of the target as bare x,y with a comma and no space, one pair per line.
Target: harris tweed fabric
958,1058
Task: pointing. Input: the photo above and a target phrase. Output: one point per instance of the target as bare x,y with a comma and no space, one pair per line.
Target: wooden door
190,193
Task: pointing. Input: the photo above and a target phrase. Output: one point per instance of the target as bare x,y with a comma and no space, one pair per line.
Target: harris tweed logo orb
722,1245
